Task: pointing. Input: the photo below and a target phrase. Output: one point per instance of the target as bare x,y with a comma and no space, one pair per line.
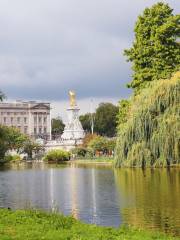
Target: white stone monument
73,132
73,129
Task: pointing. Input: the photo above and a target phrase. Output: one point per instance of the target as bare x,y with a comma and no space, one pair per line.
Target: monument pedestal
73,129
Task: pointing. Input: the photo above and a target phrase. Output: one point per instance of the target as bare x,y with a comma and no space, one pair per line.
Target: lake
95,194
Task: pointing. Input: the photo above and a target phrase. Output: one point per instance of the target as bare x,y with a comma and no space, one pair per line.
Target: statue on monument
73,129
72,96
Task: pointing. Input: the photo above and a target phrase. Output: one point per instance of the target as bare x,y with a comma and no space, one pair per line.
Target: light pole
92,117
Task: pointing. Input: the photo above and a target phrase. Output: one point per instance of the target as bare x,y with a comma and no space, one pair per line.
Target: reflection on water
100,195
89,194
152,198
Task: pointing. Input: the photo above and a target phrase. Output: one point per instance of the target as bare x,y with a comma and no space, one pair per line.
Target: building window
4,119
40,119
35,131
25,129
40,130
1,113
11,119
18,119
35,119
25,120
45,119
8,113
45,130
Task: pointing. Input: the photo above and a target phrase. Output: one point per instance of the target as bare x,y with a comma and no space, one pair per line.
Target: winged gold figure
72,96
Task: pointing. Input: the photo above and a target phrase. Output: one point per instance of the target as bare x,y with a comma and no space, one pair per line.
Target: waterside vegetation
34,224
13,144
149,122
151,135
57,156
95,148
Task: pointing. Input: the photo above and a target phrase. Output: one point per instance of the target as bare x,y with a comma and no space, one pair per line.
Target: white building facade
31,118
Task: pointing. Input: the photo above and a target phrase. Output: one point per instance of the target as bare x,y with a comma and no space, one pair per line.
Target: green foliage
86,121
106,119
98,144
15,139
33,224
10,139
151,135
102,144
155,53
57,127
3,142
57,155
12,158
31,147
88,137
124,106
79,151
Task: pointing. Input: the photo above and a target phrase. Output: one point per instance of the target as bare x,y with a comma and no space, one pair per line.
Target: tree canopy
102,144
30,147
10,139
105,120
155,53
57,127
124,106
86,122
151,134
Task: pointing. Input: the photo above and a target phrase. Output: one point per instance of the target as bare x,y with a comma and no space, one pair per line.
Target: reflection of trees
156,197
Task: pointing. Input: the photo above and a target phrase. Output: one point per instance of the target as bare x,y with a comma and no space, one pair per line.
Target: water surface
101,195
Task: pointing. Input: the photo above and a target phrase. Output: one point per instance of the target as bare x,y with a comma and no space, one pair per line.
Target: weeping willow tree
150,135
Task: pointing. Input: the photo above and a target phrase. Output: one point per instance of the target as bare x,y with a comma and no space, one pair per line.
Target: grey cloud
50,46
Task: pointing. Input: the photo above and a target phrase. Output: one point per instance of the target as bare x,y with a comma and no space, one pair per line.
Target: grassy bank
99,160
36,225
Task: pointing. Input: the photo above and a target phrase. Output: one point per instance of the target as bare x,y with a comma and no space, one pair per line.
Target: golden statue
72,96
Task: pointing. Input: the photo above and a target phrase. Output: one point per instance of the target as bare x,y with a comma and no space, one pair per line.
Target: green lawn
36,225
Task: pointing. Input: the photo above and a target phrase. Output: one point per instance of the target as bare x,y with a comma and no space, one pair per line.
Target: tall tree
106,119
86,121
31,147
155,53
57,127
10,139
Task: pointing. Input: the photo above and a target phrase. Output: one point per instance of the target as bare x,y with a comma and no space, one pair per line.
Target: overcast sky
48,47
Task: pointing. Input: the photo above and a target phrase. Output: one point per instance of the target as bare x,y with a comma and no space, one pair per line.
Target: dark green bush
12,158
57,155
79,151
